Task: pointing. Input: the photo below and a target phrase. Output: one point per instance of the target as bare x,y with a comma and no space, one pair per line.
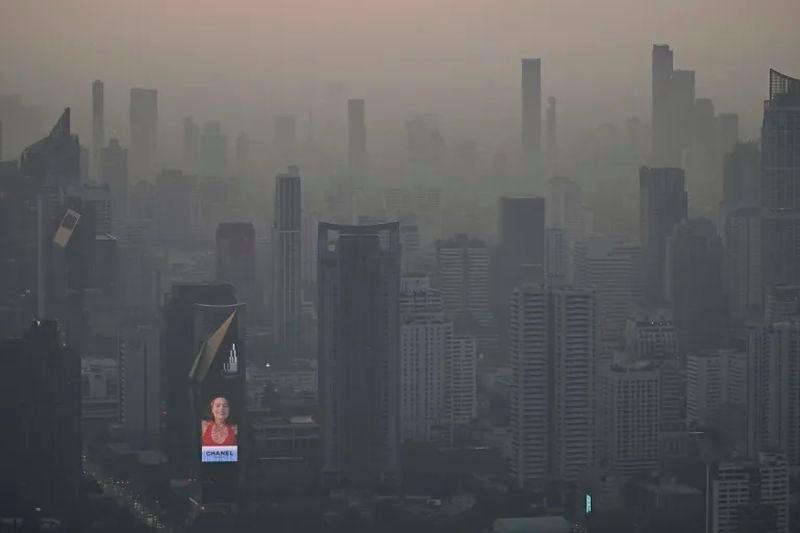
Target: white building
99,389
630,417
463,277
460,381
751,495
553,340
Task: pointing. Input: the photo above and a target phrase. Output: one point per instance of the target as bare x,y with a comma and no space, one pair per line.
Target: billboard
219,434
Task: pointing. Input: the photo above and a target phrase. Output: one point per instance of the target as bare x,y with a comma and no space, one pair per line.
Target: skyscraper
740,175
531,117
114,171
695,285
552,146
714,378
357,140
662,205
462,272
780,144
359,360
191,145
522,246
553,340
54,160
144,134
236,256
98,129
662,64
287,257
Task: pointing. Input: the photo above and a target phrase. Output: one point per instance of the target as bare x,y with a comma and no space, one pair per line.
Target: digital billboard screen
219,434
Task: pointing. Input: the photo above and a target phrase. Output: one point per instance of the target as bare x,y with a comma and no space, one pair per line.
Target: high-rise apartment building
531,116
651,334
462,272
743,272
359,352
286,253
630,417
773,389
522,243
780,144
553,340
114,172
611,264
749,495
714,379
662,205
144,134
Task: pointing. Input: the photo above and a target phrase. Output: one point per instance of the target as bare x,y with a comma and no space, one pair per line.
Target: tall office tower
695,285
773,403
359,361
531,117
681,109
566,210
611,264
144,134
176,210
286,254
54,161
555,271
553,340
357,141
286,139
236,256
97,199
714,379
749,495
651,335
114,172
662,205
98,129
630,418
191,145
139,355
741,169
213,150
460,381
522,246
462,273
662,64
180,341
41,458
551,139
727,126
780,144
425,336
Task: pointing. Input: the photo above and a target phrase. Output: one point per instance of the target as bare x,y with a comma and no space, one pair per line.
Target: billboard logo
231,366
220,454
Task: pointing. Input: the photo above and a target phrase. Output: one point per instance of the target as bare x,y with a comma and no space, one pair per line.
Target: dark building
695,288
98,128
286,139
191,145
359,353
114,172
144,134
662,205
357,140
213,150
662,64
522,243
531,116
180,344
40,460
780,143
286,253
552,144
54,161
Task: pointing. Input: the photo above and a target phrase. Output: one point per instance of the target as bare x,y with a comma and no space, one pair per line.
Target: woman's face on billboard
220,409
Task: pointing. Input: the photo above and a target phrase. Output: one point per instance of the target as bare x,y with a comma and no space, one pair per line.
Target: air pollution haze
395,266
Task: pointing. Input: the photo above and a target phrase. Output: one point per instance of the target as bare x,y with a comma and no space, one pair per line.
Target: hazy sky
460,58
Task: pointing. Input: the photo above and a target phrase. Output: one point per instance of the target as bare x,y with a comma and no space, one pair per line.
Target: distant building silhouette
98,129
114,172
236,257
662,205
551,138
359,353
143,150
287,257
531,135
357,140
